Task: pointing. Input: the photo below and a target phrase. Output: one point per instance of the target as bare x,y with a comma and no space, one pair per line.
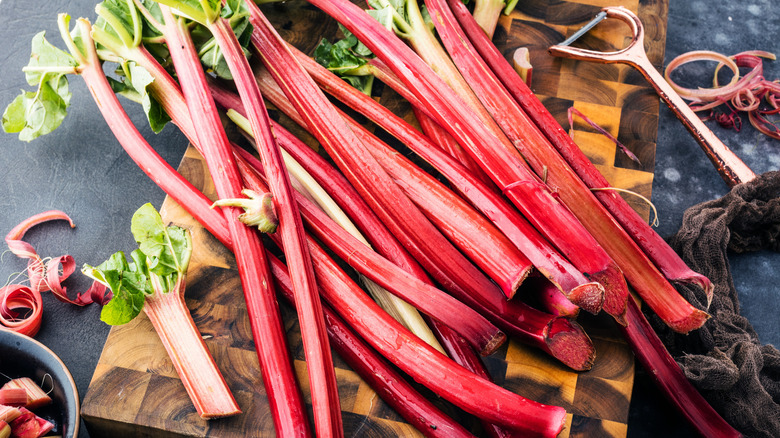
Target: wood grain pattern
135,391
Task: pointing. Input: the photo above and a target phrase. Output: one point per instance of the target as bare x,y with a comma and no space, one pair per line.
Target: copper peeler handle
733,170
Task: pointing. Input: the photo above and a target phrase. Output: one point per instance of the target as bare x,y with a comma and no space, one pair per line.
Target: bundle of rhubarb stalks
506,229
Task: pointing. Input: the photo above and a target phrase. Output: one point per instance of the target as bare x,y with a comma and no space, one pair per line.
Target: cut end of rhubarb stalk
694,320
569,343
521,60
493,343
615,292
514,286
698,280
588,296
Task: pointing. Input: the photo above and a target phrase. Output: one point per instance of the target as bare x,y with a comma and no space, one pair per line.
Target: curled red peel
751,93
21,307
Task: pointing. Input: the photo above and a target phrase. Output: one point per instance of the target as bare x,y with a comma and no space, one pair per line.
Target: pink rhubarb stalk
544,158
483,335
504,165
530,326
173,323
544,257
407,222
651,243
474,235
429,367
388,383
139,150
281,386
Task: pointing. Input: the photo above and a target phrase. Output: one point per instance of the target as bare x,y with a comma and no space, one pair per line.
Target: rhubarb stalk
651,243
544,158
407,222
155,282
504,165
324,392
544,258
530,326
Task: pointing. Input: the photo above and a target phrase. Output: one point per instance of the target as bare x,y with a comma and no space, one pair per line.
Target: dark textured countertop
82,171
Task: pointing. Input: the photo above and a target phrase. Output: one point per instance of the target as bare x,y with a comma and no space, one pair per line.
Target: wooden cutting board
135,390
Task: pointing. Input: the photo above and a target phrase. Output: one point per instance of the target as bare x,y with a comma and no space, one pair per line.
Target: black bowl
23,356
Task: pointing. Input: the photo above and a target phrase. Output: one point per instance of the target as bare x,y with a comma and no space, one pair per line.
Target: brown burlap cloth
724,359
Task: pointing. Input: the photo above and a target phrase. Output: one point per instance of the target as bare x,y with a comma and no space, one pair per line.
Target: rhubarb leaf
129,287
134,86
158,265
167,249
33,114
347,58
44,58
208,50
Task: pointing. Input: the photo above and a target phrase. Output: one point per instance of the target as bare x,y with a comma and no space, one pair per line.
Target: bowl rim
47,350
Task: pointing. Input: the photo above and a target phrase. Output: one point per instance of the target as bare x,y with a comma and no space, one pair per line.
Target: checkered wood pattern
135,390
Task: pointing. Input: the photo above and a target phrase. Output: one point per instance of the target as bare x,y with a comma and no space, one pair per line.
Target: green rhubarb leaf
117,19
135,86
168,249
210,54
384,15
33,114
157,265
346,58
37,113
45,58
127,283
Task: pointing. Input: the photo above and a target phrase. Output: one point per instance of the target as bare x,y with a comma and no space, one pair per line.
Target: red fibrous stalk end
694,320
588,296
615,292
185,346
569,343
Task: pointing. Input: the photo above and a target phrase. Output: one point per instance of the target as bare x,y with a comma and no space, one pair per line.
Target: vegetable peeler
733,170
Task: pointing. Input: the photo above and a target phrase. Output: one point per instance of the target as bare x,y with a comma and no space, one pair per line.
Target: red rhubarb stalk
549,298
483,336
422,362
668,376
322,377
530,326
523,134
544,158
651,243
388,384
261,306
505,166
445,263
545,258
427,366
474,235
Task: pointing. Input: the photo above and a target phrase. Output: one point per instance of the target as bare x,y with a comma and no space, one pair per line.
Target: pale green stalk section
486,13
399,309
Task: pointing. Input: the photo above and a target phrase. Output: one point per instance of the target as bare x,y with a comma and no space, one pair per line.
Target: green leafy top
205,12
36,113
400,16
347,58
159,265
